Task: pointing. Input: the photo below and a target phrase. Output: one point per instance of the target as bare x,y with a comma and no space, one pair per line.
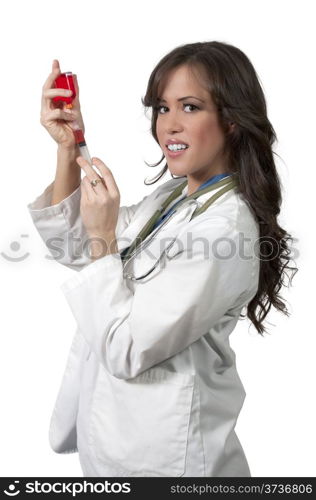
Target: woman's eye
158,108
192,106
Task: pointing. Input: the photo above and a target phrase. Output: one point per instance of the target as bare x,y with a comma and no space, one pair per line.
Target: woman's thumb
55,65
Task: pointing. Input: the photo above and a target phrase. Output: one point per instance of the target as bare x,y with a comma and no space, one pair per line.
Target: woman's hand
54,118
99,207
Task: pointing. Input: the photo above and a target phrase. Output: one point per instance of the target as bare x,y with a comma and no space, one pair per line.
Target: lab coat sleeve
60,226
192,292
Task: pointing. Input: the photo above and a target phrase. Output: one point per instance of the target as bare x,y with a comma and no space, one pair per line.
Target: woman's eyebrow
183,98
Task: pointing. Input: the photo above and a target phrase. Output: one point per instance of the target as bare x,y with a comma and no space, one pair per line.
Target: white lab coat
151,386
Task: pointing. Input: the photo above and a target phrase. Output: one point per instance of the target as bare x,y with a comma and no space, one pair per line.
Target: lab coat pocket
139,426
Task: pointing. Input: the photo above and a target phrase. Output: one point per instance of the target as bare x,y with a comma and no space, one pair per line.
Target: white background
113,47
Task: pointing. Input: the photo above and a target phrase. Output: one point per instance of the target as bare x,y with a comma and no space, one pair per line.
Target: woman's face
193,121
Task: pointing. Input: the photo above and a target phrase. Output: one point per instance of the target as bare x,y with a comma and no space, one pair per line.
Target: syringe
66,81
80,140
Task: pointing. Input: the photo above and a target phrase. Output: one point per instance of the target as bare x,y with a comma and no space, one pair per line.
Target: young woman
151,387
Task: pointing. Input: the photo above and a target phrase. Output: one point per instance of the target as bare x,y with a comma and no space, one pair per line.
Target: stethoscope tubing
137,248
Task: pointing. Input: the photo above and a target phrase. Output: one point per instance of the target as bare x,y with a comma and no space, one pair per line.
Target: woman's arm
56,215
131,332
68,174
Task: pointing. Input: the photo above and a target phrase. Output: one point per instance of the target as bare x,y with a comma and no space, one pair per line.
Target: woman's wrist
100,246
68,174
70,152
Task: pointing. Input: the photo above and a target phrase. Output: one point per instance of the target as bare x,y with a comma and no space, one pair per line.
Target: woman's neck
194,184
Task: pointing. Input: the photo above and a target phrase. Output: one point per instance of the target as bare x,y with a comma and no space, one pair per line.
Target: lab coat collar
204,197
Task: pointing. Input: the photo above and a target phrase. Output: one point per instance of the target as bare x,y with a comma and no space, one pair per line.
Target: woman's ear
232,126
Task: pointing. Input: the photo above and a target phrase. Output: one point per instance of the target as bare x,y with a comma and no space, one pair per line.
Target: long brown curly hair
235,89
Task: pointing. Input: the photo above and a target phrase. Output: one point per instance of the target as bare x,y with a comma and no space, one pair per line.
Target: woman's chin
179,172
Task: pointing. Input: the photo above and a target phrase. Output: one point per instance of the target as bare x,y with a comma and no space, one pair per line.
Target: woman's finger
74,77
86,189
90,190
50,93
107,176
49,83
89,171
52,76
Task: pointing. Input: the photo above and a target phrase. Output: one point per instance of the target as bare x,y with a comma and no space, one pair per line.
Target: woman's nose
173,122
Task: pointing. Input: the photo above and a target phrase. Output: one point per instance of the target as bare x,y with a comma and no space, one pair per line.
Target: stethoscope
226,184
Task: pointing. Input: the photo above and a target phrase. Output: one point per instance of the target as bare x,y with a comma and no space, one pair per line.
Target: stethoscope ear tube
200,210
136,278
152,221
227,182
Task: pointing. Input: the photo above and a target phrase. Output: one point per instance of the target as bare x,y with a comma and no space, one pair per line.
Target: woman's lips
174,154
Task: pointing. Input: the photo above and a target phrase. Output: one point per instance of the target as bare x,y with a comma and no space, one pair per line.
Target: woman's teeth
175,147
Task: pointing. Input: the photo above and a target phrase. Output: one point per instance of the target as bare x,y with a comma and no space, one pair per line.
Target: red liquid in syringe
80,140
65,81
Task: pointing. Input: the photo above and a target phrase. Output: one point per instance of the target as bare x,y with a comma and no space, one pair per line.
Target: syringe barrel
85,153
80,140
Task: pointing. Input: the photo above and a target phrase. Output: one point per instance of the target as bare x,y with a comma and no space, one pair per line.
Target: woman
151,387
